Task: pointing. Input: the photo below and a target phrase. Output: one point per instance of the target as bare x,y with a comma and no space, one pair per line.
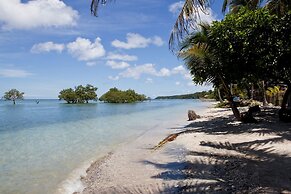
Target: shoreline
137,149
218,154
73,182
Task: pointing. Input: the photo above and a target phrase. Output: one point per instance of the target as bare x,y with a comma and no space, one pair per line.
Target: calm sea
47,145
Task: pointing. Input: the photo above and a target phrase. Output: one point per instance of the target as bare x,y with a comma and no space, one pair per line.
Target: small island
115,95
197,95
79,95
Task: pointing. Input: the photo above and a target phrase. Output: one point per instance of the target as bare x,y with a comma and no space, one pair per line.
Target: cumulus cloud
15,14
178,83
206,16
134,40
113,56
164,72
148,69
158,41
47,47
179,70
14,73
91,63
117,65
114,78
85,50
182,71
149,81
175,8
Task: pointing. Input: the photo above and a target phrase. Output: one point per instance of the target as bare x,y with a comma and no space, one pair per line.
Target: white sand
217,154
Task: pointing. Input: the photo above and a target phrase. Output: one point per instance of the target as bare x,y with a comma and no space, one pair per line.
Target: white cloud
117,65
179,70
191,84
134,40
148,69
164,72
149,81
91,63
38,13
137,71
113,56
158,41
14,73
177,83
205,16
85,50
182,71
188,76
114,78
47,47
175,8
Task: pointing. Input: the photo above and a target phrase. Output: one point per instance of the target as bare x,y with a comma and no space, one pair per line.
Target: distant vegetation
204,94
115,95
13,95
81,94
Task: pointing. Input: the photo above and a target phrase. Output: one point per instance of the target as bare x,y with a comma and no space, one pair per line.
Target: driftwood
192,115
169,138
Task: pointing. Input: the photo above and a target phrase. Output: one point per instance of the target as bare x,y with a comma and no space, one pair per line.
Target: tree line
83,94
245,48
197,95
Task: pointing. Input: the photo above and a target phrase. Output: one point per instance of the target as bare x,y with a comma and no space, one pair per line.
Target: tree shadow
254,169
247,167
251,166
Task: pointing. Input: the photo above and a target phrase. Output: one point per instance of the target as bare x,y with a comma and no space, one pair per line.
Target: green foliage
80,94
118,96
13,95
204,94
245,47
252,45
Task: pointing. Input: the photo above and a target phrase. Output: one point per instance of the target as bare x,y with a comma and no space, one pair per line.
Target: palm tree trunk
219,95
234,109
252,91
264,94
285,97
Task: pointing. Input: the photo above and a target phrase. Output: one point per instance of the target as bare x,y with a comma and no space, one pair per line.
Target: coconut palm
234,5
188,18
278,7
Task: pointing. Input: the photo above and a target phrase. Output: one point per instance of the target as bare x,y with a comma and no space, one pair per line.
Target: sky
50,45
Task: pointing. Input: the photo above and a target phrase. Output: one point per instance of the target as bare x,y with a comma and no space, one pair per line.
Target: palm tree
235,5
202,63
186,21
279,7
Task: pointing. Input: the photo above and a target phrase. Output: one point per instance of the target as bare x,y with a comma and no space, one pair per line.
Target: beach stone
192,115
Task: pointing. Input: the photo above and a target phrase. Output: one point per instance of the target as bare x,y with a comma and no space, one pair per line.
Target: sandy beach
215,154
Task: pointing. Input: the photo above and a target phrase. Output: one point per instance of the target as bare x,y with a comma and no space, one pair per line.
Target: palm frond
235,5
95,5
187,20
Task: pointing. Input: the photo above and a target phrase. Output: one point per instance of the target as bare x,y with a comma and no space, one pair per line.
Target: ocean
46,147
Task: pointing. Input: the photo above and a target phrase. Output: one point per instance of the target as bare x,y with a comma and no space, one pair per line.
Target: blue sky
49,45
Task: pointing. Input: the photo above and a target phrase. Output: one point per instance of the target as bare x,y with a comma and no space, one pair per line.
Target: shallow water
43,146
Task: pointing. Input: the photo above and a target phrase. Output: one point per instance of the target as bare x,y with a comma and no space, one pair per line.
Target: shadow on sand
254,166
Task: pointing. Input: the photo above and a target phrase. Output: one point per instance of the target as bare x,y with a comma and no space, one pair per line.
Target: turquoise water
43,146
